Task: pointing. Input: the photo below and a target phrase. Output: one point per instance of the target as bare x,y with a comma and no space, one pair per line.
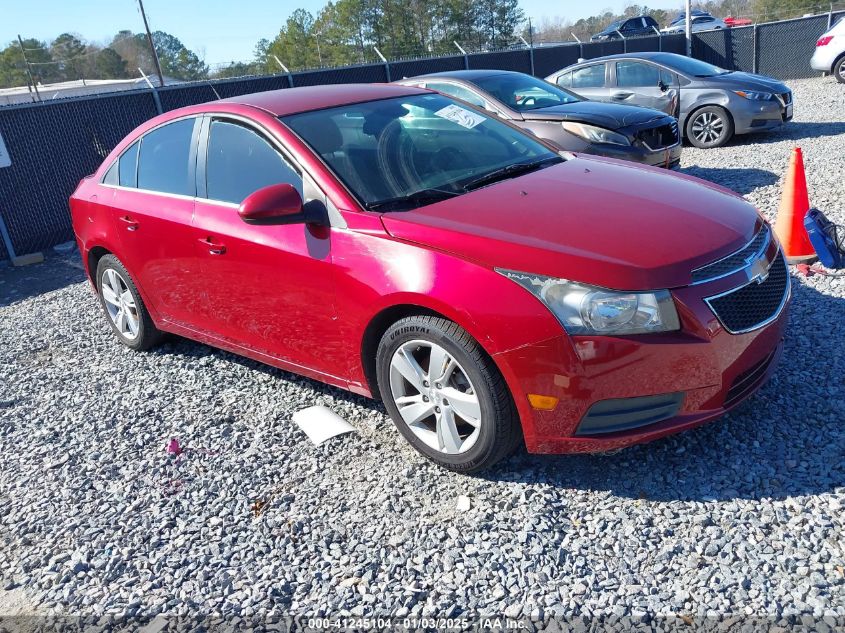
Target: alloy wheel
120,304
708,127
435,397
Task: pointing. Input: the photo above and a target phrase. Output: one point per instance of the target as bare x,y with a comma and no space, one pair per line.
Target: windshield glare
382,150
524,92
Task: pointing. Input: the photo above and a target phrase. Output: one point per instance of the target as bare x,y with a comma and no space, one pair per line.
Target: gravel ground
743,517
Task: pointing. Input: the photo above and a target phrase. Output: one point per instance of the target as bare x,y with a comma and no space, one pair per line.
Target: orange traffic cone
794,204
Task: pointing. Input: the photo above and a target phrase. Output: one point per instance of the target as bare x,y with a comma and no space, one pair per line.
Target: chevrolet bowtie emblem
758,268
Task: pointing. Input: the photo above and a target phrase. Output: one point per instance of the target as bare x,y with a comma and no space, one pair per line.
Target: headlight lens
583,309
755,96
595,134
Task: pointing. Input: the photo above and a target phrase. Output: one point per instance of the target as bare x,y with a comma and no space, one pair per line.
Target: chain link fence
56,143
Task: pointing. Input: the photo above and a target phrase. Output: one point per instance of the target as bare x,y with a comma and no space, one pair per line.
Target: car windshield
402,153
524,92
613,26
690,66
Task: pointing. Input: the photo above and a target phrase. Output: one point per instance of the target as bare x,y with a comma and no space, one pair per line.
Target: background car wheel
710,126
445,394
123,305
839,70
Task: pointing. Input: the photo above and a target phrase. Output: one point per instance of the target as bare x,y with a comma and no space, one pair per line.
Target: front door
267,287
643,84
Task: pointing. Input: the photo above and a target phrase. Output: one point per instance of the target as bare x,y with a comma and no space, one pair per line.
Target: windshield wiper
508,171
416,198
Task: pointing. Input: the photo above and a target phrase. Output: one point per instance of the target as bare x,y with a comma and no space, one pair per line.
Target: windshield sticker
457,114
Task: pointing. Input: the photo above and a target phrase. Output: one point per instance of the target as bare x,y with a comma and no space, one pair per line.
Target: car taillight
824,41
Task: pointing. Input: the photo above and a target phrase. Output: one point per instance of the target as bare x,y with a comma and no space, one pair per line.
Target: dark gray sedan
714,103
562,118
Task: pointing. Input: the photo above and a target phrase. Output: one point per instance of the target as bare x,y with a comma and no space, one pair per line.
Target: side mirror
663,87
276,204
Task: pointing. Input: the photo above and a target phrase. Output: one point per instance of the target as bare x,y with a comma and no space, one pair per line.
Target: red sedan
396,243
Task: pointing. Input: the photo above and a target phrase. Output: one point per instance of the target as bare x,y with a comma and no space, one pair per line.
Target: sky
220,31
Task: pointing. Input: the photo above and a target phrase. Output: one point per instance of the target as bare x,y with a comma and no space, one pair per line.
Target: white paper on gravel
321,423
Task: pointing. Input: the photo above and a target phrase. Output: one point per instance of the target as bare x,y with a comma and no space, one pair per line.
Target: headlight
583,309
755,96
595,134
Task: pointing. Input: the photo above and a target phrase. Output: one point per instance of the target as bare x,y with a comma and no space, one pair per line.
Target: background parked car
732,22
714,103
830,51
699,23
562,118
629,27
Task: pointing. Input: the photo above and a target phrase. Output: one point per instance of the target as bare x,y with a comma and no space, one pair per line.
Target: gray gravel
743,517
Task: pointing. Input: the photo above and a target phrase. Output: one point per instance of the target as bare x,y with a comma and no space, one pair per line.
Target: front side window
524,92
164,159
636,75
456,91
588,77
565,80
401,153
240,162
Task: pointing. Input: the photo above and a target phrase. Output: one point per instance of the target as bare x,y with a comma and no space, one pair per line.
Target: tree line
345,32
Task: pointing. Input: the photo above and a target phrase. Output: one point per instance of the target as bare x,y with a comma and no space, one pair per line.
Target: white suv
830,51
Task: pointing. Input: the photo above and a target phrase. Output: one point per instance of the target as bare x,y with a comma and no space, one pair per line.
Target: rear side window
164,161
240,162
636,74
588,77
456,91
128,163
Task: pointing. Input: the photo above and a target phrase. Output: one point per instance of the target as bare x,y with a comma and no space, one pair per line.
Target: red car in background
732,22
399,244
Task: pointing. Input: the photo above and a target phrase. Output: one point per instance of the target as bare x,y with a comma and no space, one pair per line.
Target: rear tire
839,70
123,306
457,409
709,127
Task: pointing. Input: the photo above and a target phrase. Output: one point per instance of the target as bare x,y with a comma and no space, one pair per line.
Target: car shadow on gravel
742,180
787,440
17,284
794,131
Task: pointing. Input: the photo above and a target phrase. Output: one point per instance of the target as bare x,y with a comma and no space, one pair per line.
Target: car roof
294,100
466,75
654,56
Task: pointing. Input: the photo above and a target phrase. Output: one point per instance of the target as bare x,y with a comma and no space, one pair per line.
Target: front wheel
709,127
445,395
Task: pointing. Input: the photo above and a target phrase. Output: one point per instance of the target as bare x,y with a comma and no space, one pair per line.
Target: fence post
624,41
464,53
530,53
386,64
155,92
284,68
7,240
830,17
755,53
580,46
659,39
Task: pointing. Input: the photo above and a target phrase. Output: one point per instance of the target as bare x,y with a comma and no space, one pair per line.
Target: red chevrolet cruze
395,243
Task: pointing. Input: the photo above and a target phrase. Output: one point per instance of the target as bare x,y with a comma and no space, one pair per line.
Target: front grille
660,137
748,380
735,261
624,414
754,304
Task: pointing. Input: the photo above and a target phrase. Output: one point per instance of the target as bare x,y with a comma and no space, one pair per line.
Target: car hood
612,116
748,81
594,220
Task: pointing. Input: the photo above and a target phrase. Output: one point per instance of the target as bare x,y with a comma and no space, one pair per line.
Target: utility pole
28,69
152,46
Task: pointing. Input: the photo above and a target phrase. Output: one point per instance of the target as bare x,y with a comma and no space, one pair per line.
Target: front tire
123,306
709,127
445,395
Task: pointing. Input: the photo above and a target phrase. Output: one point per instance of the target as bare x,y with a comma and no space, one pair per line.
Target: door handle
131,225
622,95
213,249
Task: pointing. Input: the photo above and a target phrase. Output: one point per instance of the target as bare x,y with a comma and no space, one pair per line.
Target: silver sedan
711,104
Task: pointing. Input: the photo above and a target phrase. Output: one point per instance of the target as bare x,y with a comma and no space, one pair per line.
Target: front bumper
713,369
669,157
760,116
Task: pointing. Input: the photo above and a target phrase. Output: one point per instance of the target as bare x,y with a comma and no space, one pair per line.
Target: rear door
267,287
640,83
588,81
154,206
